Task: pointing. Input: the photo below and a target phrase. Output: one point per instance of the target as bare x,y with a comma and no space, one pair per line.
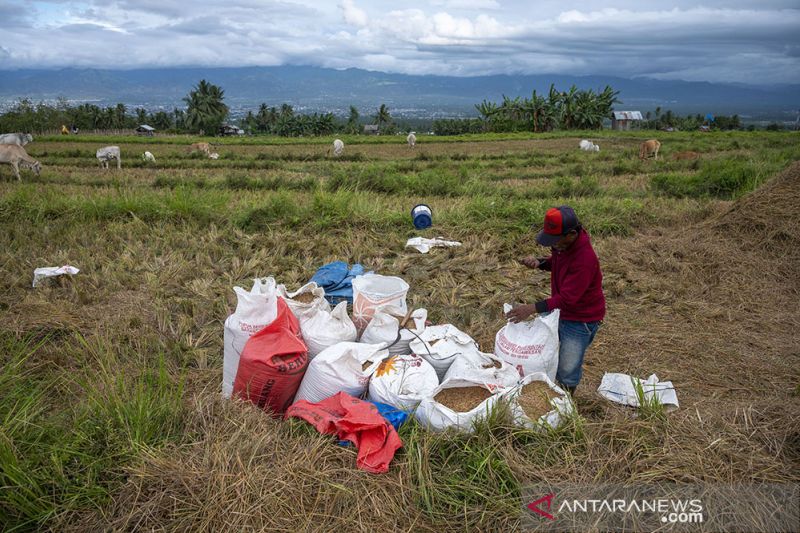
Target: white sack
340,368
562,406
254,311
438,417
385,327
371,291
441,345
323,329
42,273
402,381
620,388
304,311
530,346
484,367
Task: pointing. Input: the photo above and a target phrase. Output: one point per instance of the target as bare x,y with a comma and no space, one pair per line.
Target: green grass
57,457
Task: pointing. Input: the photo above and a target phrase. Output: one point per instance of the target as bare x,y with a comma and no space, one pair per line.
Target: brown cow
199,147
678,156
16,155
649,147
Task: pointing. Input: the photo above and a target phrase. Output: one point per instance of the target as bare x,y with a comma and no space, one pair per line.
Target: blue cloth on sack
337,280
395,416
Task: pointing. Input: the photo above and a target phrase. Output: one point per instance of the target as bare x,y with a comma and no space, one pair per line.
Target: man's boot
571,390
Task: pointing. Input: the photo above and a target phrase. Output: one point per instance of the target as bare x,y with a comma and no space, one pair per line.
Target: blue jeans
574,337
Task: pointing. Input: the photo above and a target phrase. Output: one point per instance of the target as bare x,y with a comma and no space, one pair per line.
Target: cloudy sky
746,41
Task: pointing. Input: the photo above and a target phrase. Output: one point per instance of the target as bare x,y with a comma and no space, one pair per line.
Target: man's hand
521,313
530,262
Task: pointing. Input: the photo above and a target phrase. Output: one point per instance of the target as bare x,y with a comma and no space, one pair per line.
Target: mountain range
315,89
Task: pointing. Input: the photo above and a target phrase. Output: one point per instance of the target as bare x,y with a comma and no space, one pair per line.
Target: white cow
411,139
338,147
588,146
148,157
20,139
16,155
104,155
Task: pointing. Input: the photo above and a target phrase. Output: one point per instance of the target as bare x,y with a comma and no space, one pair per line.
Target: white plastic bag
254,310
441,345
385,327
402,381
438,417
530,346
423,245
620,388
560,405
323,329
484,367
42,273
304,310
370,291
345,366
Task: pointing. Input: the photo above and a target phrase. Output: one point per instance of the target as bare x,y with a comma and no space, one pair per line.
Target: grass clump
56,458
724,178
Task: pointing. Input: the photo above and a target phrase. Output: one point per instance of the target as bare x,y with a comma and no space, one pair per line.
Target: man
576,289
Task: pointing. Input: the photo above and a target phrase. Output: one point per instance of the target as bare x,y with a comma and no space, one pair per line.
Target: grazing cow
338,147
588,146
20,139
16,155
200,147
649,147
411,139
104,155
148,157
678,156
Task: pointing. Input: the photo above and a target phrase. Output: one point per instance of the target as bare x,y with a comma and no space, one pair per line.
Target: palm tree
206,110
382,117
118,117
352,120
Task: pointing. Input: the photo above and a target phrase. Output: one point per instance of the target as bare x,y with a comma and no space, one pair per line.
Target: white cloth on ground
620,388
423,245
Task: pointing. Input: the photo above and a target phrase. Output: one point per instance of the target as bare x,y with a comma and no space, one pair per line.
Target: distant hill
319,89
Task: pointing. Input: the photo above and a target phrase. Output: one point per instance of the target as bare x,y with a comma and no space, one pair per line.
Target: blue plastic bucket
422,216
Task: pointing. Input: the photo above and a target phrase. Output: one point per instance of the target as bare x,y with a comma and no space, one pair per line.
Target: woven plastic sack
371,291
254,310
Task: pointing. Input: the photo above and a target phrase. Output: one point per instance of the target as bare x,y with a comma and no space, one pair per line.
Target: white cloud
353,15
467,4
741,40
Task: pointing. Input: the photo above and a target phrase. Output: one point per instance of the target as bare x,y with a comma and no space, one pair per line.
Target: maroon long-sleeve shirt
576,282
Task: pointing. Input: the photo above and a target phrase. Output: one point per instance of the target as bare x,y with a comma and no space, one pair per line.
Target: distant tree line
206,111
574,109
657,120
204,114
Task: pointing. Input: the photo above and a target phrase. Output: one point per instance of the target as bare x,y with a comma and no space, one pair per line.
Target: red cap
558,221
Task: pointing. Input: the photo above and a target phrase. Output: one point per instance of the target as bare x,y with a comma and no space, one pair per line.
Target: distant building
144,129
621,120
228,129
371,129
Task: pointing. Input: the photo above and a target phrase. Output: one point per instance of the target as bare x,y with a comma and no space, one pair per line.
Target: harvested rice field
110,380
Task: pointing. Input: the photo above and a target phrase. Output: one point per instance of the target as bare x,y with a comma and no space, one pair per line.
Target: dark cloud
739,40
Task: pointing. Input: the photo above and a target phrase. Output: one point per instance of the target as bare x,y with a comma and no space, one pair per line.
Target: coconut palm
206,110
382,117
352,120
